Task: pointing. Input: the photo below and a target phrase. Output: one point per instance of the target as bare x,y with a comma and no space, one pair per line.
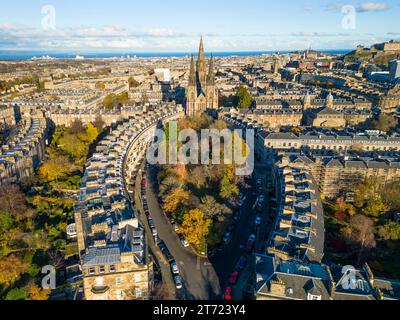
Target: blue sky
176,25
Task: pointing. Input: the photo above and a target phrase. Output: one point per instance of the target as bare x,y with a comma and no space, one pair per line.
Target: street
200,280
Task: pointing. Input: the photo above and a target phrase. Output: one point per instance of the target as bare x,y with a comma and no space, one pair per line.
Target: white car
174,267
178,282
185,243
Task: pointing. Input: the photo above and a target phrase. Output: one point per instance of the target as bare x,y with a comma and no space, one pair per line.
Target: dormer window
313,297
112,269
91,271
102,269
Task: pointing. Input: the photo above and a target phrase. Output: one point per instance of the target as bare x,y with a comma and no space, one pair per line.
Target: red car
228,294
234,278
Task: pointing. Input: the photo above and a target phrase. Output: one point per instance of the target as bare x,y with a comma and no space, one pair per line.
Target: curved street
200,280
206,279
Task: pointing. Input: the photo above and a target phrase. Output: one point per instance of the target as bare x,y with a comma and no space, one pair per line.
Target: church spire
192,74
202,66
202,55
211,74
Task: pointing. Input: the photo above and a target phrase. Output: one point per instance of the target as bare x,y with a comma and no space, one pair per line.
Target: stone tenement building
336,174
390,102
7,117
22,153
322,140
112,245
201,93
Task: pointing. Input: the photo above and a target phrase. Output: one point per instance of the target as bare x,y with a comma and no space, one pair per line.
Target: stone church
201,93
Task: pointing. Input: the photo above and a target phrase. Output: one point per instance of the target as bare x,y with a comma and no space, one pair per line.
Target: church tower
201,92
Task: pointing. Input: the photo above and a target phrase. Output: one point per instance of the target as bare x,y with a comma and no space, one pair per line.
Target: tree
36,293
197,178
244,99
54,169
100,86
90,134
16,294
368,197
99,123
360,232
177,199
133,83
212,208
195,227
77,126
11,268
109,101
384,123
390,231
12,200
228,190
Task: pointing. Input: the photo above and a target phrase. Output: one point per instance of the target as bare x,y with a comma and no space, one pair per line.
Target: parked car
258,221
178,282
260,207
227,238
168,255
151,223
161,244
184,242
250,244
174,267
242,263
234,278
154,232
175,227
228,294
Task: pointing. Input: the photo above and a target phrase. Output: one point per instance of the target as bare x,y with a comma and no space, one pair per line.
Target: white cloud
360,7
372,6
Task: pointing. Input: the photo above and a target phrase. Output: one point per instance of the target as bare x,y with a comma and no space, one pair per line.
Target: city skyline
160,27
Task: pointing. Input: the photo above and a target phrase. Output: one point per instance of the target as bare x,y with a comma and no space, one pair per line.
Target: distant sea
27,55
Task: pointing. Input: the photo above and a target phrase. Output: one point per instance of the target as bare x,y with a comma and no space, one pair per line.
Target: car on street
168,255
258,221
227,238
174,267
178,282
175,227
161,244
228,294
242,263
151,223
184,242
250,244
234,278
260,207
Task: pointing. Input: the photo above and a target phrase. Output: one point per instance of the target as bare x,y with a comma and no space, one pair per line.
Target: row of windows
102,269
118,280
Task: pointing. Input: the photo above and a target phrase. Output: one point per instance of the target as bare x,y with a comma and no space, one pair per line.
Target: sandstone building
201,93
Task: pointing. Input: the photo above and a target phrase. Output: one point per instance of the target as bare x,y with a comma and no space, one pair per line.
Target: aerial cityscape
221,157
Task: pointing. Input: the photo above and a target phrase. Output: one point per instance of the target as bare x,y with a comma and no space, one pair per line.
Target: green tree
390,231
17,294
228,190
244,99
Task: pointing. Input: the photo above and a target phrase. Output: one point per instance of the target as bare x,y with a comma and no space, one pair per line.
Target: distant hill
379,57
